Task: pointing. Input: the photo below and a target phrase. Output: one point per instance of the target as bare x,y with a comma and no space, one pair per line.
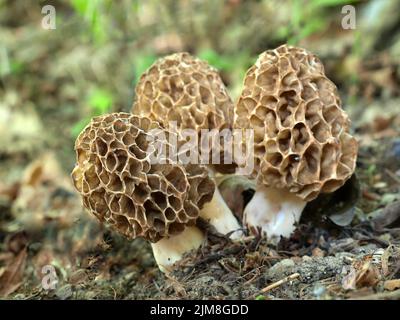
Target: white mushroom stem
167,251
273,211
218,214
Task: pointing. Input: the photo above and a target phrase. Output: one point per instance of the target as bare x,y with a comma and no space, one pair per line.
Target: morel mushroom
121,186
186,92
185,89
302,145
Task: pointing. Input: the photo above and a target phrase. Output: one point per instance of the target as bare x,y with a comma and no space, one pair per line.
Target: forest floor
347,245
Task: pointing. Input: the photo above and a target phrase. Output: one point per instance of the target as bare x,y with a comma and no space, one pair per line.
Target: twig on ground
280,282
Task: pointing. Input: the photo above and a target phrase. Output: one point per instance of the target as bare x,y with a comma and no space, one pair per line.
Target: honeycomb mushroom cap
185,89
120,185
301,133
188,91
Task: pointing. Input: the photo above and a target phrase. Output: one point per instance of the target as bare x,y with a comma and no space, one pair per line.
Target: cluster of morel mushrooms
301,148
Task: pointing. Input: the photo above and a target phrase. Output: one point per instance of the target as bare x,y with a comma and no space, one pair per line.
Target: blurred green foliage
17,67
235,65
99,101
308,18
221,62
93,12
142,62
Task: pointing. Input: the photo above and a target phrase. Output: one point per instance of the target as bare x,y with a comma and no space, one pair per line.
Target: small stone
287,263
281,269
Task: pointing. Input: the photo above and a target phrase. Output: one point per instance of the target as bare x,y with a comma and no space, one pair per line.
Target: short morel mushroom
122,187
186,92
302,145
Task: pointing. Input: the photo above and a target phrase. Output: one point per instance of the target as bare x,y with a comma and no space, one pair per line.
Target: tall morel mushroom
122,187
302,145
188,93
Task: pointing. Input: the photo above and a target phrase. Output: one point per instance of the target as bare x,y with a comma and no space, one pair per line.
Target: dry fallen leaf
367,276
387,216
78,277
45,195
392,284
363,274
317,252
349,281
11,278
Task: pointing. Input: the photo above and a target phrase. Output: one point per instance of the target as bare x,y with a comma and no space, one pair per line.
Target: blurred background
53,81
